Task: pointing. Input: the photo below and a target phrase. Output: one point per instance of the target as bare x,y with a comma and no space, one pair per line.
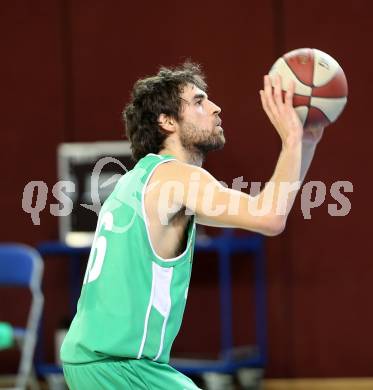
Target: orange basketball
320,84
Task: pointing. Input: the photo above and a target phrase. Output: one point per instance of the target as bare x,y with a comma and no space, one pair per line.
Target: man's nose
216,108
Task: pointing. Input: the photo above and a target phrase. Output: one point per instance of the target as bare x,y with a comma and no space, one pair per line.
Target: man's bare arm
311,137
310,140
216,205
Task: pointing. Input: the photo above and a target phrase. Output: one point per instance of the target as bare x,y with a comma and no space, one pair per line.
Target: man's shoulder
177,170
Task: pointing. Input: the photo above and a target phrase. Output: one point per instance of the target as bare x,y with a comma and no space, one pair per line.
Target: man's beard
201,141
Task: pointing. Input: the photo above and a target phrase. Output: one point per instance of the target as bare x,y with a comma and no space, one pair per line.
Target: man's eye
199,101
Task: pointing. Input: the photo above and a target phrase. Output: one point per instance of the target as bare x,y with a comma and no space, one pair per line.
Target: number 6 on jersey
95,263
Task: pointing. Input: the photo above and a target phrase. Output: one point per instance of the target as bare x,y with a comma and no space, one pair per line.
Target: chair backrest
20,265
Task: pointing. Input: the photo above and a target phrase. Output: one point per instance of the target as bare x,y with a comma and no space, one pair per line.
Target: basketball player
136,284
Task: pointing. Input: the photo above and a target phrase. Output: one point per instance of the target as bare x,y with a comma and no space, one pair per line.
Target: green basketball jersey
132,301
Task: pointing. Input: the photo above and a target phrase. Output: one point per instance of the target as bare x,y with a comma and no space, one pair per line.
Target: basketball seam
287,64
326,97
319,109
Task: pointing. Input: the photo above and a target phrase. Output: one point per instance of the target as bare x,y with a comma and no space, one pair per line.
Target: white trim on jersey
147,317
162,339
146,220
160,299
157,155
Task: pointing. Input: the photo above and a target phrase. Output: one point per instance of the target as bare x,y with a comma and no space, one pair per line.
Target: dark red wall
67,70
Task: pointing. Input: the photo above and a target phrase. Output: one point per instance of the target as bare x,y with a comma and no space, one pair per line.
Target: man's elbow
275,226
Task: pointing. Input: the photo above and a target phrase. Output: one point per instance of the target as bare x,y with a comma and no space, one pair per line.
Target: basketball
320,85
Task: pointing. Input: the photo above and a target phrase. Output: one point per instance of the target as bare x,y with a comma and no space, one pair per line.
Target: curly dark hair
153,96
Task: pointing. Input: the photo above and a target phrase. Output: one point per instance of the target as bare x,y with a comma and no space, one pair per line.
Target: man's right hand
281,112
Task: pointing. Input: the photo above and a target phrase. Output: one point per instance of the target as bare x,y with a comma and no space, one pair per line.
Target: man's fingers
265,105
269,96
290,93
278,92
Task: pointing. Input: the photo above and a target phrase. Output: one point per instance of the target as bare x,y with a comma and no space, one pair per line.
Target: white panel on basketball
302,112
281,67
325,68
331,107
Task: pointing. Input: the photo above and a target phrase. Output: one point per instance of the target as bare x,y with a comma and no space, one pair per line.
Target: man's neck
187,156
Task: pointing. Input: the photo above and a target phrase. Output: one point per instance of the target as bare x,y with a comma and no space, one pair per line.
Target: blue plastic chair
21,266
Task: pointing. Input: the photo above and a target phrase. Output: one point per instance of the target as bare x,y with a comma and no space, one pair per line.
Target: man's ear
167,123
